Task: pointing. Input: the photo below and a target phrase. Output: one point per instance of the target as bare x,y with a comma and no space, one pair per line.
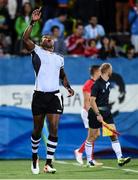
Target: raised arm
65,82
36,14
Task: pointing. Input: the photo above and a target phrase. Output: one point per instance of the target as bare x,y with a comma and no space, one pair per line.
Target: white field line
130,170
105,167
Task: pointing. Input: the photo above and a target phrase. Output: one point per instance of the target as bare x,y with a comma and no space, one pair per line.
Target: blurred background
86,32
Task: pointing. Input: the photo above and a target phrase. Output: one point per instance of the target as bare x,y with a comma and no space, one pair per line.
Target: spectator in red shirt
75,43
91,50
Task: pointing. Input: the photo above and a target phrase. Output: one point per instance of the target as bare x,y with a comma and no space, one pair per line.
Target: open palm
36,14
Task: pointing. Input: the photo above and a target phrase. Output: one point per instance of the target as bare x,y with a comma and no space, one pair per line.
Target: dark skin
47,43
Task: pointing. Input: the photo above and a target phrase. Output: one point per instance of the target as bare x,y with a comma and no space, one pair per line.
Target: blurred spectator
1,49
12,8
3,45
70,24
59,44
21,23
57,21
5,25
133,20
106,51
130,52
20,4
75,43
94,31
91,50
102,9
122,9
113,46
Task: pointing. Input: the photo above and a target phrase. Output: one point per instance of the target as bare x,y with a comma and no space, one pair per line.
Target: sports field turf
20,169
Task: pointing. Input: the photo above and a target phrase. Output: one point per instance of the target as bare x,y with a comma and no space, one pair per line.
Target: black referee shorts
47,102
94,123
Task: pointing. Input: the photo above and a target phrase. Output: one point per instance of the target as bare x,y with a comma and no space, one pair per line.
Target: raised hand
36,14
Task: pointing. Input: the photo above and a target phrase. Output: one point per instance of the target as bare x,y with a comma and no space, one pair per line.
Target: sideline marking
105,167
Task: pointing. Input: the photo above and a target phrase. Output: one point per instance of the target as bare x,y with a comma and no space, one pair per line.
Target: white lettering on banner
21,96
16,95
75,103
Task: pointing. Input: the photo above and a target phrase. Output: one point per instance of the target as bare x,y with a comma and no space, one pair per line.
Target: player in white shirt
47,100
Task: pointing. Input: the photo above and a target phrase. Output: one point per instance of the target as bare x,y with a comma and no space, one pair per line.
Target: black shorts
47,102
94,123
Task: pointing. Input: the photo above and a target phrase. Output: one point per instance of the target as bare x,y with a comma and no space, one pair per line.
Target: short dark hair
93,16
54,27
79,24
129,47
93,69
90,40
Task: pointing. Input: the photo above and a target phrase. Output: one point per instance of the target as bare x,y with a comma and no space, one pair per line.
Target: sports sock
88,149
82,148
117,149
51,148
35,144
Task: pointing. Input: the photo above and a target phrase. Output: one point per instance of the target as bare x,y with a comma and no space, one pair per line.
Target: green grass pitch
67,169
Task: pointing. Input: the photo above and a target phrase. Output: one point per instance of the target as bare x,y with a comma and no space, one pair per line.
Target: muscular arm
86,97
26,36
95,108
93,104
65,82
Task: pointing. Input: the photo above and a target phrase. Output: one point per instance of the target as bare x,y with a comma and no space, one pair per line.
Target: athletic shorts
94,123
47,103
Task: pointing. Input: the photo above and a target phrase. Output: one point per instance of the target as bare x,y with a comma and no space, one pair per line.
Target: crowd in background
91,28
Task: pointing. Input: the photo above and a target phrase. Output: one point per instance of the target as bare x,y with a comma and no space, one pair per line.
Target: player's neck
105,77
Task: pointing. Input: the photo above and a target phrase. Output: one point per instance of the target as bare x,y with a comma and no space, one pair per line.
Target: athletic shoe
123,161
90,164
35,166
78,156
49,169
96,163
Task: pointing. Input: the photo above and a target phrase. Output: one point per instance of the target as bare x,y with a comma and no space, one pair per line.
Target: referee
47,100
100,111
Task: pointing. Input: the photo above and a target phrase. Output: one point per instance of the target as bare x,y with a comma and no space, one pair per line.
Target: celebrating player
95,74
100,111
49,68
